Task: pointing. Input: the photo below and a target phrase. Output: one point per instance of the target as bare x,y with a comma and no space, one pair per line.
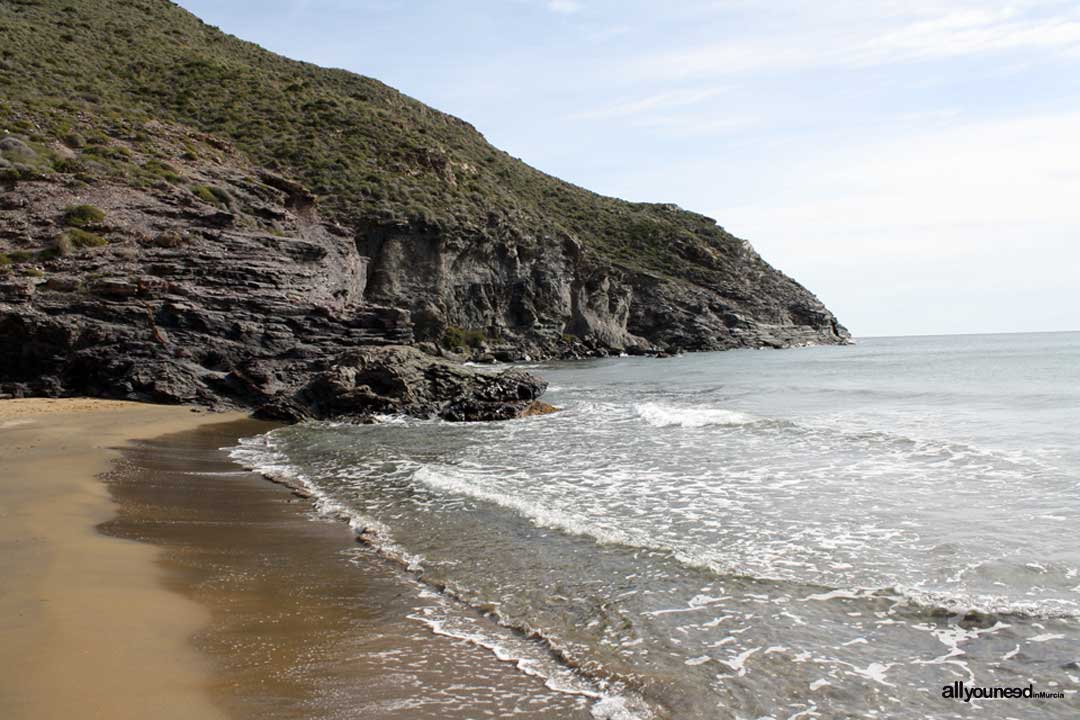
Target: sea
821,532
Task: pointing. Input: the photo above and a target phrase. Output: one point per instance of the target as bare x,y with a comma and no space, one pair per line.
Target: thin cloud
667,100
946,178
724,59
698,124
566,7
943,35
971,33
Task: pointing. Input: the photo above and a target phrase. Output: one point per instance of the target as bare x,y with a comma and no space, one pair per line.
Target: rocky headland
186,218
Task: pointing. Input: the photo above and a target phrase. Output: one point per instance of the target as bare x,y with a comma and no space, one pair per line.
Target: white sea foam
510,647
260,455
1046,637
663,415
588,520
874,671
832,511
738,662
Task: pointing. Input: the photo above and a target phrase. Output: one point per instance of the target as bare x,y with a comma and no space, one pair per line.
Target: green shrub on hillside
80,216
82,239
456,337
163,170
212,195
70,166
18,257
73,239
109,152
370,152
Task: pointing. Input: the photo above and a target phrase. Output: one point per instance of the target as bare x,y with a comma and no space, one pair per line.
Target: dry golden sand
87,629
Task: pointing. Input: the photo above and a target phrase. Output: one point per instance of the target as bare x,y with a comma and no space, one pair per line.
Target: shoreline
89,628
149,575
304,620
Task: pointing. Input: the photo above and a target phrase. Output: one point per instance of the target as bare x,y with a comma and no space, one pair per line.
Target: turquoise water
821,532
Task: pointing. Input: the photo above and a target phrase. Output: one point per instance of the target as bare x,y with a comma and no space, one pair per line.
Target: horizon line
968,332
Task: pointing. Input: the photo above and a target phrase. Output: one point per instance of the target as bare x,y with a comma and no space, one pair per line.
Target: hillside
132,104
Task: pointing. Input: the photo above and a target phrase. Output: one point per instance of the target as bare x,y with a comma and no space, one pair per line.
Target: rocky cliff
185,217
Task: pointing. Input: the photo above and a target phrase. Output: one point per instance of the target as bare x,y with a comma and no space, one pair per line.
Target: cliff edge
186,217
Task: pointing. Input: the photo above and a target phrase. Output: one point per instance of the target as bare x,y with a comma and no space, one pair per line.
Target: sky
916,163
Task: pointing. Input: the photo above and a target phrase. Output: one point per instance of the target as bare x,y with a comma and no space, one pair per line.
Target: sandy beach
145,574
89,630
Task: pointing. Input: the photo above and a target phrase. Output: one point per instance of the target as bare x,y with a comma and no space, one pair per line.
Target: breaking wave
661,415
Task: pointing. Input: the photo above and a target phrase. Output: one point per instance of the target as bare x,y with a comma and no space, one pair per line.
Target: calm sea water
823,532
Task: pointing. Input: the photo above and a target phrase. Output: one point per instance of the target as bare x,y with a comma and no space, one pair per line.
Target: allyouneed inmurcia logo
959,691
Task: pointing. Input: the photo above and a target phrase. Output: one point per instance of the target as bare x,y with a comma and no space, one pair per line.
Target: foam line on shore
260,455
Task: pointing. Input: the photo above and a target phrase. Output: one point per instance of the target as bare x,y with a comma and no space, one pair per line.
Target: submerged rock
538,407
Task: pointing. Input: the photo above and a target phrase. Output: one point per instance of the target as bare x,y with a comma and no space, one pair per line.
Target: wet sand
144,575
304,622
87,628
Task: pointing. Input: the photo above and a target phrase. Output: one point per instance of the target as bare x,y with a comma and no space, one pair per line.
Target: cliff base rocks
404,380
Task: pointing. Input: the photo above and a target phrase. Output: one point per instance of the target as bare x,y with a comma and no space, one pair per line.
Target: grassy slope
88,66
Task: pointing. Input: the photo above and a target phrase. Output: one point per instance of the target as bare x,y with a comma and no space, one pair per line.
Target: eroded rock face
205,272
405,380
227,288
258,306
545,296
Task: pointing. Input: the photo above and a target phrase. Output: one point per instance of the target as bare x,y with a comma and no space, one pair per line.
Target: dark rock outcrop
266,305
180,307
276,221
544,296
400,379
